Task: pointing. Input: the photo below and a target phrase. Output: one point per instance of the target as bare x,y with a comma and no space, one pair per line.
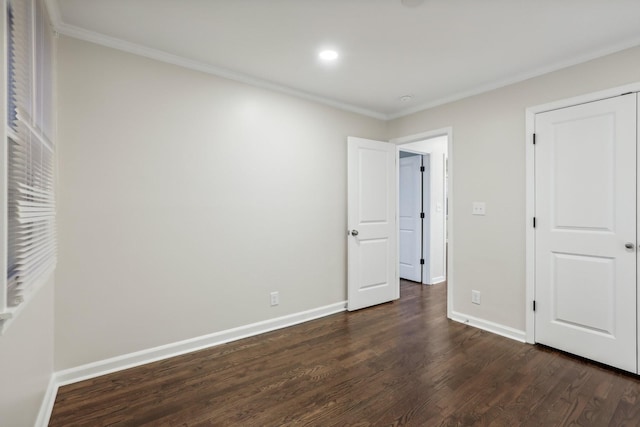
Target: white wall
435,243
26,361
185,199
489,165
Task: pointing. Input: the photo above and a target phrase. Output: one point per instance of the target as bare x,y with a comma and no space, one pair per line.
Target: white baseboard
126,361
47,403
436,280
486,325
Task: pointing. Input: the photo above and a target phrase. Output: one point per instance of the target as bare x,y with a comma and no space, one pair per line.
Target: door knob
629,245
354,232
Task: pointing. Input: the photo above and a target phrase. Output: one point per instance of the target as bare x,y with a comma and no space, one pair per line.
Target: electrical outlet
275,298
475,297
478,208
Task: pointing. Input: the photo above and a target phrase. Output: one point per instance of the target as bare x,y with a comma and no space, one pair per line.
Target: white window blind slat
37,206
26,220
34,201
25,154
18,293
38,236
34,262
36,213
33,274
34,255
12,282
36,230
27,191
13,294
37,239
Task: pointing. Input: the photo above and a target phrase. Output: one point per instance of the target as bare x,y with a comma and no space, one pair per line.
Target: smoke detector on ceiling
406,98
411,3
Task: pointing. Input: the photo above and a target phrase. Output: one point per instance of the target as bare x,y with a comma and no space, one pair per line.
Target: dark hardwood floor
401,363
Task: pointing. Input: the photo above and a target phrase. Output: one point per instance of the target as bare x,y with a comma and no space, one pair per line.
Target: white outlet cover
475,297
478,208
275,298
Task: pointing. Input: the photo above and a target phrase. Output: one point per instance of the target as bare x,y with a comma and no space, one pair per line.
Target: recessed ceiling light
406,98
328,55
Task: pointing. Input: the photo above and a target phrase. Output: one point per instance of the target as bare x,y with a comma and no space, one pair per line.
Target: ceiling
436,51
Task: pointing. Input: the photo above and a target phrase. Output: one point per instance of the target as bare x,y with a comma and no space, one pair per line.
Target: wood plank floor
401,363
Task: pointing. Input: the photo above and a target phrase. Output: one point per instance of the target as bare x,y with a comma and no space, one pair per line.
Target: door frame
530,114
448,131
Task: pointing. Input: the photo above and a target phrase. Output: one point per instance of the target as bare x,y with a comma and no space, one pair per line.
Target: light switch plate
478,208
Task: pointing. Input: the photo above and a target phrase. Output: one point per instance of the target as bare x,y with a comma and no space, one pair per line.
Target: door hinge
534,222
534,305
534,139
421,168
421,214
421,261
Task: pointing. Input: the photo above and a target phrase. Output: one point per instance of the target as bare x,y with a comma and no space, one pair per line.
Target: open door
371,217
410,216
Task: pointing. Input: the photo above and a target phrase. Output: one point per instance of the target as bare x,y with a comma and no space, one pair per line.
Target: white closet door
585,168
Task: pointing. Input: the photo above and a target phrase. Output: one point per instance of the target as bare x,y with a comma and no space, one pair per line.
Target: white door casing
427,231
434,207
372,276
585,210
409,221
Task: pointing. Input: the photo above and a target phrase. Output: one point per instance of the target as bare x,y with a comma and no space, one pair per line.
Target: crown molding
159,55
93,37
576,60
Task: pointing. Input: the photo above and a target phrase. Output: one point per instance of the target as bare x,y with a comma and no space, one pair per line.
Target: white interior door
585,236
372,248
409,221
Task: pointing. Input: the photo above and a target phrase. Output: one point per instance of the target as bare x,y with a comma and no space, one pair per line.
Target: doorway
363,280
422,213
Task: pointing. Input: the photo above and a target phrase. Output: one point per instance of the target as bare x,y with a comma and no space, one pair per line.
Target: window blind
31,235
